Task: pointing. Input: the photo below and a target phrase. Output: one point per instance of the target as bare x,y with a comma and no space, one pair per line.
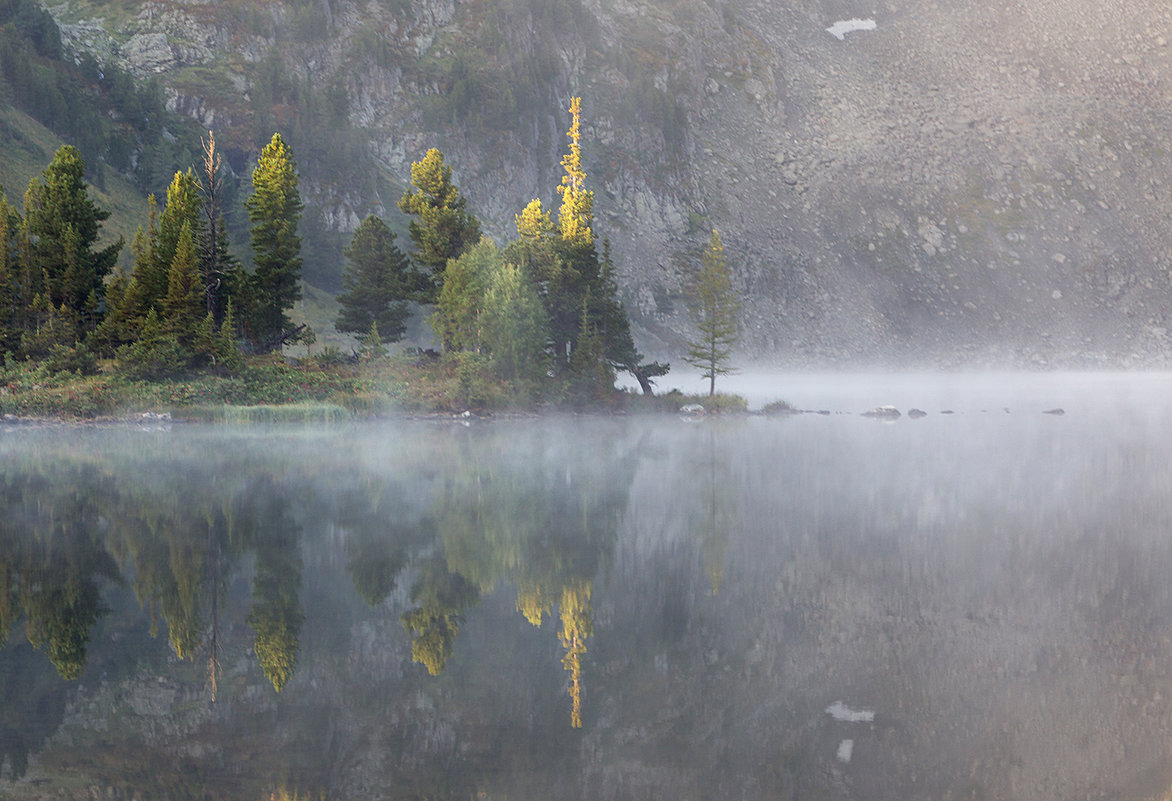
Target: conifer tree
9,274
183,209
714,311
274,208
442,228
63,226
533,223
377,281
183,306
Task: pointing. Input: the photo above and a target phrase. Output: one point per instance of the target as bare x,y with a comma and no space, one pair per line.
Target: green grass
306,412
673,401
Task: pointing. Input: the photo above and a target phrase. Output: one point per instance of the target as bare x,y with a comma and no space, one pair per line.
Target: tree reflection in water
176,529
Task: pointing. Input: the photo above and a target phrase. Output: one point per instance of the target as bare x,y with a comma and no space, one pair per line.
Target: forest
534,321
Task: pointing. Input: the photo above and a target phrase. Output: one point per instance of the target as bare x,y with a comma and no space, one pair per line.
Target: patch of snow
845,749
840,29
840,711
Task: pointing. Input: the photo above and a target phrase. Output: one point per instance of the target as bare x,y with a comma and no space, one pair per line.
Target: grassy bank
321,389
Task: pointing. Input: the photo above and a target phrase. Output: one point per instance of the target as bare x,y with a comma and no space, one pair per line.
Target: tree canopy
442,229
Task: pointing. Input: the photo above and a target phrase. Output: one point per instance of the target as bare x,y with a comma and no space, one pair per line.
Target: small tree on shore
714,310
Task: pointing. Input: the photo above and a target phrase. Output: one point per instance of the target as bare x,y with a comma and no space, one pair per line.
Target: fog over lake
971,605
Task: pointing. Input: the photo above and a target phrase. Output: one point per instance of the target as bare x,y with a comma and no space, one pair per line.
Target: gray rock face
956,185
149,53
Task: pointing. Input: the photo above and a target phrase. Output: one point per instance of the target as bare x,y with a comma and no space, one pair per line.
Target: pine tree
63,226
442,228
274,208
714,311
533,223
377,282
184,209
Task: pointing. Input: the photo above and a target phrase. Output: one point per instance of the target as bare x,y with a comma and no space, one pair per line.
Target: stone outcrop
953,184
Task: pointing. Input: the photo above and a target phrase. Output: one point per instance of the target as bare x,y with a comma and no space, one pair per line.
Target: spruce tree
377,282
63,226
274,208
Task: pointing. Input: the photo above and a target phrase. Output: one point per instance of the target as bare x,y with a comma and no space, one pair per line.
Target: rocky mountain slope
954,185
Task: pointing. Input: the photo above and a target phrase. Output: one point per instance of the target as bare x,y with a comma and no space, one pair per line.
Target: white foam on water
840,29
845,749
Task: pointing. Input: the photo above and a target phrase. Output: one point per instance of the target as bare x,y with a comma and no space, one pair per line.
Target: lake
972,605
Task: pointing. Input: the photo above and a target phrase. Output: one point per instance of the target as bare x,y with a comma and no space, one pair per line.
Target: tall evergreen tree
183,306
184,209
377,282
10,314
63,226
714,311
274,208
442,228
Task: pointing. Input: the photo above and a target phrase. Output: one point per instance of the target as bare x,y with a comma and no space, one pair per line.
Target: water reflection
595,609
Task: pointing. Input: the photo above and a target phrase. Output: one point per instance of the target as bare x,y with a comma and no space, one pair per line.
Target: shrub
78,359
778,407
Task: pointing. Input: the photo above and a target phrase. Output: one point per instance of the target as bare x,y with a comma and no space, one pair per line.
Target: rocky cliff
934,183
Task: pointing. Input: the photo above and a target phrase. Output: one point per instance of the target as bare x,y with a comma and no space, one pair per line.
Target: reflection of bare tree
214,639
720,515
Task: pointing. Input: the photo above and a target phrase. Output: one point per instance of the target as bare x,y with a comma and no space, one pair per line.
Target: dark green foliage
155,354
274,209
77,359
378,281
510,67
11,313
112,119
63,225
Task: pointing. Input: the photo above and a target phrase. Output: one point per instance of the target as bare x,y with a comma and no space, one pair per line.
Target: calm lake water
972,605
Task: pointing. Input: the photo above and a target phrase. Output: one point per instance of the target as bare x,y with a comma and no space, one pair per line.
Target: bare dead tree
212,257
